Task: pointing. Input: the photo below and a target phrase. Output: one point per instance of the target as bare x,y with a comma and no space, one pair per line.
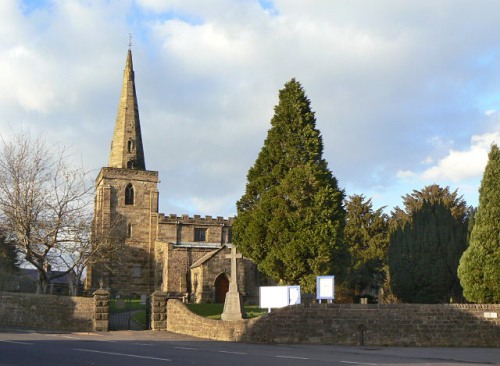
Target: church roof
127,151
207,256
197,244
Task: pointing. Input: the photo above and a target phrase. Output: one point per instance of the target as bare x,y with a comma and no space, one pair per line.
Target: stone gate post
101,314
159,310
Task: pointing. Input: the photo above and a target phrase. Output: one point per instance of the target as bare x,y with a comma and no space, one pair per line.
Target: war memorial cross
232,305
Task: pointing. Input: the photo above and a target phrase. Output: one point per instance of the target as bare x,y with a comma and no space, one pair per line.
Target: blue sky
406,94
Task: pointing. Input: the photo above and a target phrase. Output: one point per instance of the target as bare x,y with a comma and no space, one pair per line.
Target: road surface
29,347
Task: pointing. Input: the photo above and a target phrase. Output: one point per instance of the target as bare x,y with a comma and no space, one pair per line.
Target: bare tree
45,203
90,248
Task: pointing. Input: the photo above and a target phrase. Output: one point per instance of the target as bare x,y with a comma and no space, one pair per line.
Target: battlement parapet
195,219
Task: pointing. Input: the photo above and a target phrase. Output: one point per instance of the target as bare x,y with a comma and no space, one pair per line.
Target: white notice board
325,287
278,296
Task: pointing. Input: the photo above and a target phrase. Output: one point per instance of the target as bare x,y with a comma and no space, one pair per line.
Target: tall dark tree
472,221
426,244
431,194
479,269
9,264
367,236
8,254
290,219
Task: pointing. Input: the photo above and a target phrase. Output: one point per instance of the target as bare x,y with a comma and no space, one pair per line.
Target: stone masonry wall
369,325
47,311
381,325
181,320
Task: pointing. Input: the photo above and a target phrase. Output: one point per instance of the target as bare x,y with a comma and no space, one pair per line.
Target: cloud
460,169
403,93
405,174
30,90
462,165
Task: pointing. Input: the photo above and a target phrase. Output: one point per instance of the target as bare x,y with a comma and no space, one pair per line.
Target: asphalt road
29,347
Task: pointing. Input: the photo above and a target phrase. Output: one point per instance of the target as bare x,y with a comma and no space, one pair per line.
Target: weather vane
129,41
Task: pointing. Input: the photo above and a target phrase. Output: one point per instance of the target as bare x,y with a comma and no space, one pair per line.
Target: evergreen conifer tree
367,235
9,264
479,269
426,243
290,218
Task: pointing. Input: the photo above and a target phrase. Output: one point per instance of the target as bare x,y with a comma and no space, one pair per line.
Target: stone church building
181,255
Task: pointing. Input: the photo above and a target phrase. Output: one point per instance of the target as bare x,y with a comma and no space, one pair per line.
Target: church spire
126,148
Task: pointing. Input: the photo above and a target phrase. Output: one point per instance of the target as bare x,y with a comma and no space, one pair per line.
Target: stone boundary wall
52,312
181,320
441,325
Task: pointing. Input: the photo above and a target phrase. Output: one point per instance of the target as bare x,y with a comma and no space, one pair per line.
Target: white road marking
293,357
16,342
123,354
359,363
61,336
234,353
187,348
144,344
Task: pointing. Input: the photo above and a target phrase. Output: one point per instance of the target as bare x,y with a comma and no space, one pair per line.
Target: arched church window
130,145
130,164
129,194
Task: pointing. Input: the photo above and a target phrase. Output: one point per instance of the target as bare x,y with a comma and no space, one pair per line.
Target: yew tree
290,218
479,269
367,235
9,264
426,243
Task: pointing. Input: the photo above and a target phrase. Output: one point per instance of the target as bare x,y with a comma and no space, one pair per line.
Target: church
186,257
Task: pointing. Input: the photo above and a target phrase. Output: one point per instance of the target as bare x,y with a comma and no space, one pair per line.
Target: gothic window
130,164
200,234
130,145
129,195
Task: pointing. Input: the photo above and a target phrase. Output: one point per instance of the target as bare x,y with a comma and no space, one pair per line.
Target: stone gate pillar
101,314
159,310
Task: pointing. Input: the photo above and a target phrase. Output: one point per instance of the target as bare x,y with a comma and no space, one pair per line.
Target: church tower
126,204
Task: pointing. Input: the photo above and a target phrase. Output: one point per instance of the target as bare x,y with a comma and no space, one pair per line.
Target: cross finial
129,41
234,271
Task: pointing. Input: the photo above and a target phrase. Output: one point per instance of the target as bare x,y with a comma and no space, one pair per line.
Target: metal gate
127,313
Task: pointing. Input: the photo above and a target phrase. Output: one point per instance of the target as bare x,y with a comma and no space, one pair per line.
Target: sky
406,93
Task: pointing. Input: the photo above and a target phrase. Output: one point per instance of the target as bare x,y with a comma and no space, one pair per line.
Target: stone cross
232,305
233,285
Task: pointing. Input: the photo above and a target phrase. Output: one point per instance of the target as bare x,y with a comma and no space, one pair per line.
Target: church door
221,287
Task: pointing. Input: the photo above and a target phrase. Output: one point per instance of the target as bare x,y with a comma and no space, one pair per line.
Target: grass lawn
140,317
214,311
120,306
